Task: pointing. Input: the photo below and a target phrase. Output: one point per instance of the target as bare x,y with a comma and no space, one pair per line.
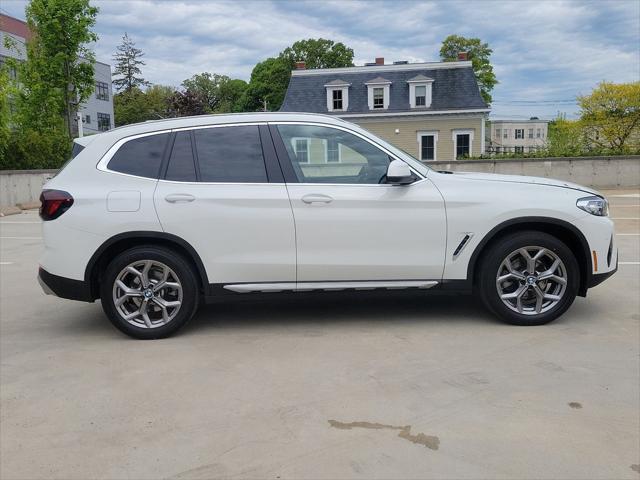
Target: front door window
332,155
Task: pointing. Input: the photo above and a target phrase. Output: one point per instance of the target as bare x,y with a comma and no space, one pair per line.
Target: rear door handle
317,198
179,197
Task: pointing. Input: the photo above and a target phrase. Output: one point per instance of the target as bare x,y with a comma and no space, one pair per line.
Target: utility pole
80,126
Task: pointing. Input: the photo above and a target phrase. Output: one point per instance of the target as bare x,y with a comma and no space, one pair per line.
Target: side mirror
399,173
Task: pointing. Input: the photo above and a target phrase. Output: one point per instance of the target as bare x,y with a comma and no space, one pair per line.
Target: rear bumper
64,287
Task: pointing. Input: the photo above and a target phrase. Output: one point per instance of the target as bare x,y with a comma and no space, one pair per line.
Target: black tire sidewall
181,268
497,253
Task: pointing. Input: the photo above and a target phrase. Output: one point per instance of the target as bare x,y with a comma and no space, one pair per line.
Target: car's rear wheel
529,278
149,292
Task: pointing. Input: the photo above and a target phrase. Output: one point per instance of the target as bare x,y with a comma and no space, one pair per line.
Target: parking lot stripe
14,223
628,263
20,238
625,218
6,263
628,234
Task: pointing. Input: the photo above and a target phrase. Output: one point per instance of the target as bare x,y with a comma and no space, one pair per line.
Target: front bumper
598,278
64,287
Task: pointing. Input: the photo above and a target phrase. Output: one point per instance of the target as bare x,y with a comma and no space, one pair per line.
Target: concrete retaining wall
23,186
596,172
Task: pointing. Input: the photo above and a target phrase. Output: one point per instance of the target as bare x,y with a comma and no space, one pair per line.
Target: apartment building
97,112
518,136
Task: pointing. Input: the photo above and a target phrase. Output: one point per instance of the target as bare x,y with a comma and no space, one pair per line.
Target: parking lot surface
330,388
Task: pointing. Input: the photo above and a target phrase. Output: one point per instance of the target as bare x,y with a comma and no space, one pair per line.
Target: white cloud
542,50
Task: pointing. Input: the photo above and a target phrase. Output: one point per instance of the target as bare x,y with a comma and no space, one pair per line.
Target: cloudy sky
545,51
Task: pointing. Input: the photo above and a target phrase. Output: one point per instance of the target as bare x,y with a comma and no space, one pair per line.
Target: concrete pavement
384,388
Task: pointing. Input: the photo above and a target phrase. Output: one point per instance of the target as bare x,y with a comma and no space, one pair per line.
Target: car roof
219,119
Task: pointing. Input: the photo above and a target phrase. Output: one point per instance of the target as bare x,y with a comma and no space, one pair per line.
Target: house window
428,148
337,99
498,132
498,150
518,149
421,95
506,133
333,151
519,133
102,91
301,149
531,133
462,145
538,133
104,122
378,97
87,119
462,142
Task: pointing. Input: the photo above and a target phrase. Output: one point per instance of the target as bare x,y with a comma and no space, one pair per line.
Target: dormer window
378,97
420,91
337,99
421,95
378,93
337,96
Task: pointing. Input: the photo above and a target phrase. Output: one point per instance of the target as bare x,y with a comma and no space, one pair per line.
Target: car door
222,191
350,224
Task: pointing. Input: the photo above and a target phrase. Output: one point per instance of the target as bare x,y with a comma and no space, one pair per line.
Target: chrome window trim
102,164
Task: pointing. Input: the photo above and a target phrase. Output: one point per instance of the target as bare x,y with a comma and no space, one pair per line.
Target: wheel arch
123,241
564,231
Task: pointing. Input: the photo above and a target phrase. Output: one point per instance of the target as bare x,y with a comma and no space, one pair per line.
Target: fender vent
610,252
462,244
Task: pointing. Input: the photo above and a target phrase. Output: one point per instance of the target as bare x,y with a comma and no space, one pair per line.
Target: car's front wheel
529,278
149,292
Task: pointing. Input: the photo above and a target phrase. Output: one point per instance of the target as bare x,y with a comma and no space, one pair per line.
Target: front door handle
317,198
179,197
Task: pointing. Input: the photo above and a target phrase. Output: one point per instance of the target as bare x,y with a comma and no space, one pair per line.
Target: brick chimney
300,65
463,57
379,60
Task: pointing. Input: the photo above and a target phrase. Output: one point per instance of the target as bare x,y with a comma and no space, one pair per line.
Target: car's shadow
326,309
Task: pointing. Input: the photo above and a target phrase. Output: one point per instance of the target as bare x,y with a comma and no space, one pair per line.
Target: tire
520,297
167,307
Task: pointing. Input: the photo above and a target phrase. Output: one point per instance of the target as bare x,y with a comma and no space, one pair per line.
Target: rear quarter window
141,157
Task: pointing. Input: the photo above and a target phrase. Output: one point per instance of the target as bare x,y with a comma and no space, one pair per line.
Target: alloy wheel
531,280
147,294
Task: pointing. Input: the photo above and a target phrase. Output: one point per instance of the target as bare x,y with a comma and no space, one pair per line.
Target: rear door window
230,154
141,157
181,167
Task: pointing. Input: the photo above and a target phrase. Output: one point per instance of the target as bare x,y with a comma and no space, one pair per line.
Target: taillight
54,203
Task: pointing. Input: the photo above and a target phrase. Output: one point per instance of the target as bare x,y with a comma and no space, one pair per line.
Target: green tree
220,93
268,85
137,106
128,63
270,78
232,94
479,54
564,138
319,53
610,116
58,73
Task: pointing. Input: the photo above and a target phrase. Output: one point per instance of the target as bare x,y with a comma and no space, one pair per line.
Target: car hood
494,177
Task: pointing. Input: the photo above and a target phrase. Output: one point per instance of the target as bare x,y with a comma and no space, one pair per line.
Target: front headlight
594,205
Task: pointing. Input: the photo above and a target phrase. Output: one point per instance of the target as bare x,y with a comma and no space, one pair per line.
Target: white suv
156,217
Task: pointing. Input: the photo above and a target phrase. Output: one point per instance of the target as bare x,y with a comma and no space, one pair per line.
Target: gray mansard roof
454,87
